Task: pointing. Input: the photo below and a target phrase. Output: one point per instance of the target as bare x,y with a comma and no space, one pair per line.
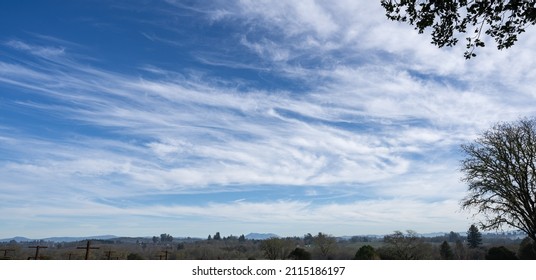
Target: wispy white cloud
381,112
45,52
156,38
255,137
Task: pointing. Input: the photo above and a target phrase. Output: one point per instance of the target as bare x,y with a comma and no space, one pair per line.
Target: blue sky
137,118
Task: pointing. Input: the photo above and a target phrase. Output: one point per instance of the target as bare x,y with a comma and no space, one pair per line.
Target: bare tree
500,169
409,246
273,248
325,244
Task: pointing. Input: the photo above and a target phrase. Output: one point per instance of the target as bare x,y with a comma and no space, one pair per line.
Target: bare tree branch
500,169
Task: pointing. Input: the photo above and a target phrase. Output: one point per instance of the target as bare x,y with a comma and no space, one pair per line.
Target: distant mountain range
251,236
58,239
260,236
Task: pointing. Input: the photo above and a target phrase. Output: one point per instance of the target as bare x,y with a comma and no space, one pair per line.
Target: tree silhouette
325,244
166,238
366,252
445,251
400,246
500,253
527,249
500,169
453,236
503,21
299,254
273,248
308,239
474,237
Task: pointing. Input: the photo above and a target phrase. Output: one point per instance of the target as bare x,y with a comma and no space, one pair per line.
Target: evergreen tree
217,236
500,253
445,251
242,238
474,237
299,254
453,236
527,249
308,239
166,238
366,252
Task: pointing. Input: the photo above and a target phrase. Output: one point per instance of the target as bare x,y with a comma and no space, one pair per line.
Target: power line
109,254
5,253
87,248
36,251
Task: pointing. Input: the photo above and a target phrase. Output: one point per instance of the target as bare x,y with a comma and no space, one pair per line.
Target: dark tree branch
500,169
503,21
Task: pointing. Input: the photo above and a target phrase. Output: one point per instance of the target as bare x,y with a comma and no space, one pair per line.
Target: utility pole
37,251
5,253
166,254
87,248
109,254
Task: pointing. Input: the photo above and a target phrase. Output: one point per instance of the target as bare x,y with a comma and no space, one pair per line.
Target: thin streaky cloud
242,116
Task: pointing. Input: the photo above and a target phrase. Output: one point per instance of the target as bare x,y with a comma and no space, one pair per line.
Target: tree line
408,245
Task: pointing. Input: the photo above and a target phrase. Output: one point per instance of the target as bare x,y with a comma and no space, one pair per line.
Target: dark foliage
366,252
299,254
500,253
445,251
308,239
503,21
527,249
134,256
166,238
453,236
474,237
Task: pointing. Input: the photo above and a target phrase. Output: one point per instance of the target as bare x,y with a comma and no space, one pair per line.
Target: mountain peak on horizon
260,236
57,239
